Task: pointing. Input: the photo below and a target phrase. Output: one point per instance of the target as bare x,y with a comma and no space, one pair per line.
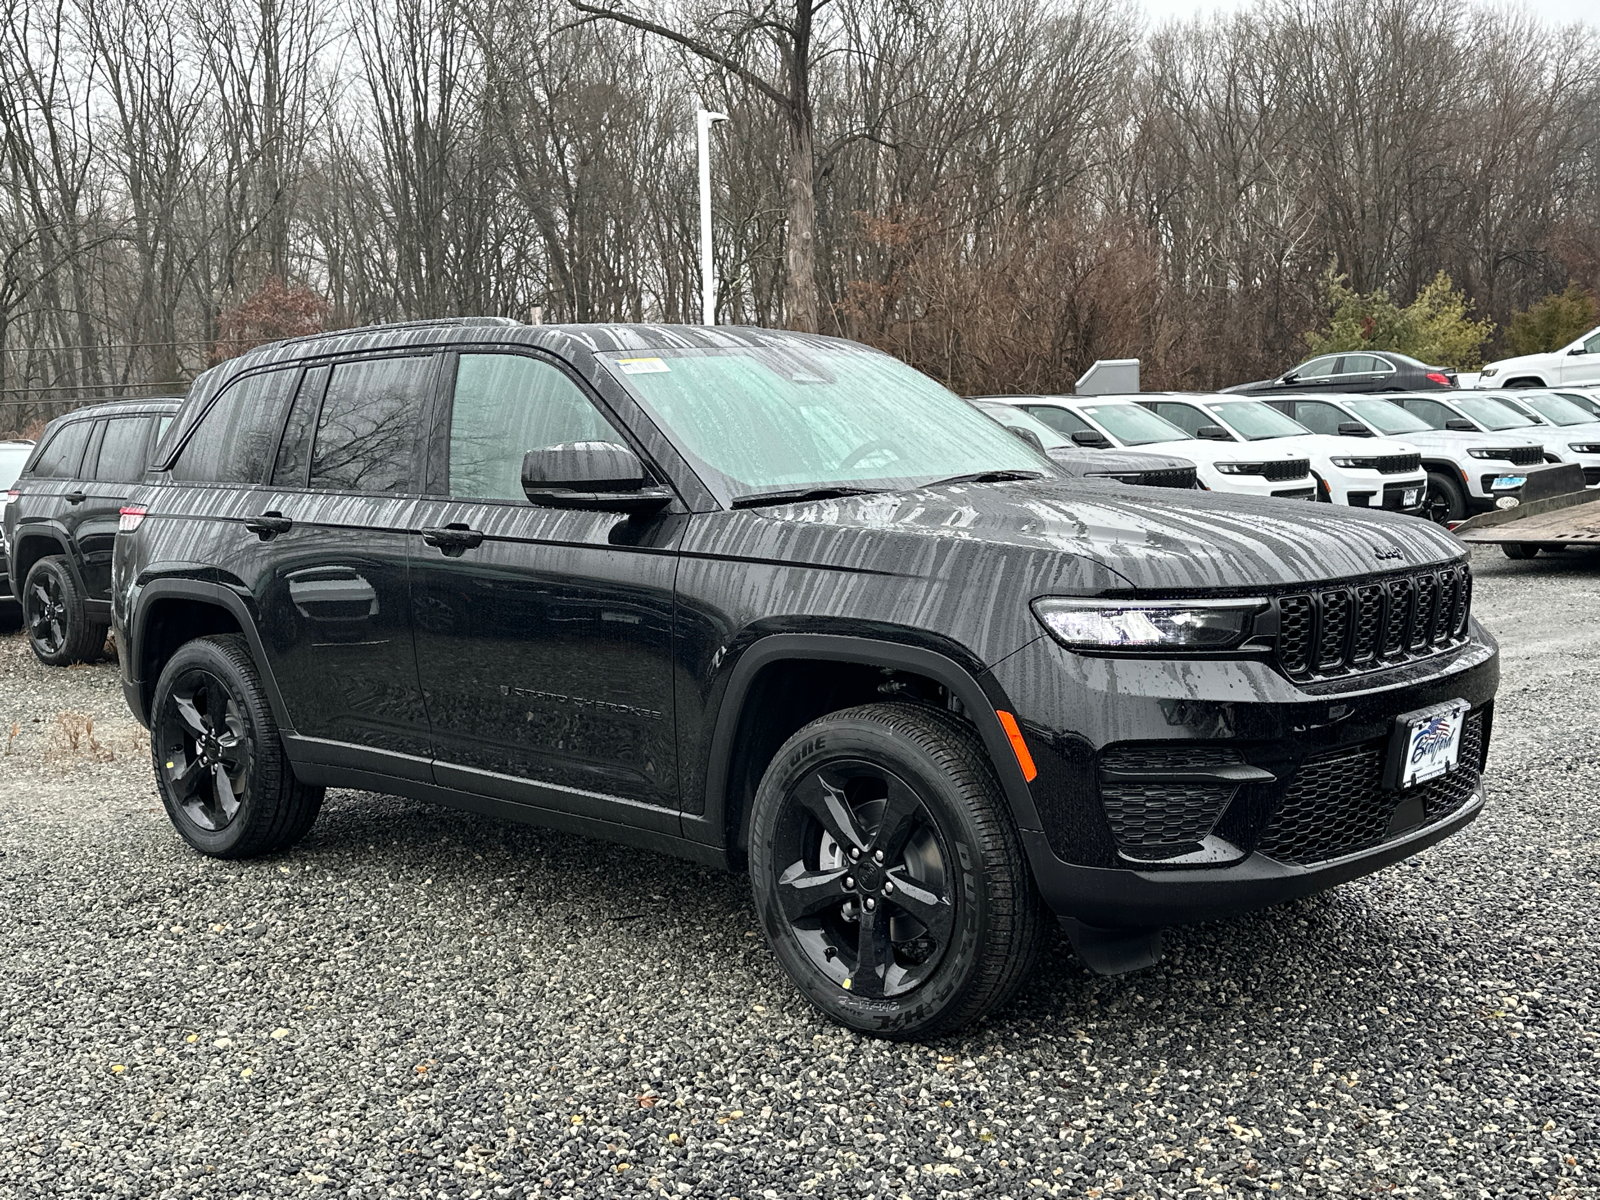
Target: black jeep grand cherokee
760,598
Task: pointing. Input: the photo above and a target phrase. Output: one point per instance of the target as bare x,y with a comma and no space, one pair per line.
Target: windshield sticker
642,366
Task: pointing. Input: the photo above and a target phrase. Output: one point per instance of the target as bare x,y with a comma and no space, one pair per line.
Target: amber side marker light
1018,746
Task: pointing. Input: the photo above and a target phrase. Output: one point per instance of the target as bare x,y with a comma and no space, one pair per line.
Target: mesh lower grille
1168,758
1337,804
1156,820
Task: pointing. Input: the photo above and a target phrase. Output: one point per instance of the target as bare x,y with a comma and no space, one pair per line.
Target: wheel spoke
874,955
193,722
825,801
921,902
227,802
804,893
898,821
186,779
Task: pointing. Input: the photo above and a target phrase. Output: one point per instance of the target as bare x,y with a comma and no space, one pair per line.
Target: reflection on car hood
1079,461
1158,541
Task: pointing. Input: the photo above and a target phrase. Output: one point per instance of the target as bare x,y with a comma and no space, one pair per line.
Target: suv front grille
1337,804
1395,464
1524,456
1277,472
1364,627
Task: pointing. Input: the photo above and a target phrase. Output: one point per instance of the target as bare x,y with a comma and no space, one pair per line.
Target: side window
506,405
1063,422
1185,417
1591,344
371,424
237,434
1431,411
1356,364
1318,417
122,450
1318,368
60,457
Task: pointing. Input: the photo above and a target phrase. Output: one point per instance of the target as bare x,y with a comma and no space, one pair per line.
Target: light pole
708,282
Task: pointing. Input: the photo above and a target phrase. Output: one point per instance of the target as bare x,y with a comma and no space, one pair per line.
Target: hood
1158,542
1334,443
1503,366
1457,442
1077,461
1201,450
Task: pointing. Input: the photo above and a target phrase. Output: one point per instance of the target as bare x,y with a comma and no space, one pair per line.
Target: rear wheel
1520,549
888,876
1446,501
219,762
59,630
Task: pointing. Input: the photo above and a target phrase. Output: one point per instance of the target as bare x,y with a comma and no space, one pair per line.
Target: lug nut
849,881
878,855
855,852
870,903
888,886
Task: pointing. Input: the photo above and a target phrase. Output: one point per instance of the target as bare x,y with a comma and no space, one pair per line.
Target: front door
1585,367
544,636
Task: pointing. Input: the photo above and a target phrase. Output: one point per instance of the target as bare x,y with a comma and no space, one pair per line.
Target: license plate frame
1425,745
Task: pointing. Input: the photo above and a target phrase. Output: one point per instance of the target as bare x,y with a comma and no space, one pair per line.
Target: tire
1520,549
915,783
210,726
1446,501
59,630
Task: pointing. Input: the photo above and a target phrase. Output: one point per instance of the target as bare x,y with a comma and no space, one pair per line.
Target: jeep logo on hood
1385,553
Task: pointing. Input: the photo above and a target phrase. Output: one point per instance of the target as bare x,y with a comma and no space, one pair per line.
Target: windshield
1491,414
1557,410
1255,421
1015,418
11,460
1134,426
789,415
1386,417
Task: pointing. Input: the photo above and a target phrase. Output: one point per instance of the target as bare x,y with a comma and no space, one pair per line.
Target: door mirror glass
1028,436
1213,433
1461,425
601,476
1090,439
1353,429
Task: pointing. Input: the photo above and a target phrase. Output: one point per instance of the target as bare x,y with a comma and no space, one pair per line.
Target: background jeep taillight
129,516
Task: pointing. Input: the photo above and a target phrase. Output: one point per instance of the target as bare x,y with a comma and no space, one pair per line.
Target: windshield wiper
986,477
796,495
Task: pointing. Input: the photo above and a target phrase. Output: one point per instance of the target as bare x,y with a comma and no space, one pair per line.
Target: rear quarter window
237,435
63,452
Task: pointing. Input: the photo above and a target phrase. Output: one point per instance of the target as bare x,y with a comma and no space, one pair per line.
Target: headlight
1488,372
1147,624
1362,464
1486,452
1585,447
1239,468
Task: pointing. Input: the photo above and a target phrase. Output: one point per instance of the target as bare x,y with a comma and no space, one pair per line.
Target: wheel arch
170,612
42,541
745,739
1525,381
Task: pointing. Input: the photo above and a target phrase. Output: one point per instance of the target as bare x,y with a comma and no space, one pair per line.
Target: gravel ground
419,1003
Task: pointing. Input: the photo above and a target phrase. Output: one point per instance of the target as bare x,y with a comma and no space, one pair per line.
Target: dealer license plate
1426,744
1509,481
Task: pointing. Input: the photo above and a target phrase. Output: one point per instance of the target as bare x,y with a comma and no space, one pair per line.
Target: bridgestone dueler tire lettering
1000,923
276,810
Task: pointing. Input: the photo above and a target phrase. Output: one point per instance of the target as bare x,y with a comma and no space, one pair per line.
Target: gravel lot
420,1003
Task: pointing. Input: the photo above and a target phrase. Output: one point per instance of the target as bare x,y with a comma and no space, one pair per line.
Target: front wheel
1446,501
888,875
1520,549
220,767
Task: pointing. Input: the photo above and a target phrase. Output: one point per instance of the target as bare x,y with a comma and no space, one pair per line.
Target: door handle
74,497
268,525
453,539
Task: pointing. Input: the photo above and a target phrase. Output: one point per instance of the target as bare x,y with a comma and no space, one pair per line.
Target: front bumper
1289,773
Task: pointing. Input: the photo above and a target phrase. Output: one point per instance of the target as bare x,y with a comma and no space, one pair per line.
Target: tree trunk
800,301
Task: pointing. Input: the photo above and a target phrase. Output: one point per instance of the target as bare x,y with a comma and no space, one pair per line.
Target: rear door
112,468
545,648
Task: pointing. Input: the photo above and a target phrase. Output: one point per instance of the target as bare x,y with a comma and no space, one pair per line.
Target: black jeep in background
62,517
778,601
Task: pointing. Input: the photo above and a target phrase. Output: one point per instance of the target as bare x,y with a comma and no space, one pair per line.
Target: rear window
238,433
122,450
370,425
61,454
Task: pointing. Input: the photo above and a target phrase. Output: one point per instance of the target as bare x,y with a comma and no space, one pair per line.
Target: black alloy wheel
861,876
219,761
888,875
1445,501
205,745
52,612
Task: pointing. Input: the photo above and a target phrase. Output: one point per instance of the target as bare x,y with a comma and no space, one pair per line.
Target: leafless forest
999,191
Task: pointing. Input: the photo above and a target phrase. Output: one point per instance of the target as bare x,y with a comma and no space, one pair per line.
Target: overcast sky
1555,11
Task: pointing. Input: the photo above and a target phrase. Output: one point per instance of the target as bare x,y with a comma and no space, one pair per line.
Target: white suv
1219,466
1579,427
1474,410
1576,363
1347,470
1468,471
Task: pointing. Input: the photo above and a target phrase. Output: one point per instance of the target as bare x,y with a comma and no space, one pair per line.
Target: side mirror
1289,377
1091,439
1461,425
1353,429
1213,433
1028,436
1579,350
595,476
